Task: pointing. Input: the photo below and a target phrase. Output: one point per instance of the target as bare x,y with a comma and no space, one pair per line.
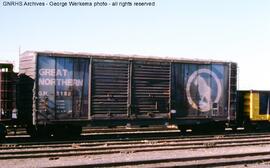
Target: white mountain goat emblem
205,91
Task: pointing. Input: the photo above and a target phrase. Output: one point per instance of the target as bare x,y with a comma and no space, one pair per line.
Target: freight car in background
61,92
253,109
8,112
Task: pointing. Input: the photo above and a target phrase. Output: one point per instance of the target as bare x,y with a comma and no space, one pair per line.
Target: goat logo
204,90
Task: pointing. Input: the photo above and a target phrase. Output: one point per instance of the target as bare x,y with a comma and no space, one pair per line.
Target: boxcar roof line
123,56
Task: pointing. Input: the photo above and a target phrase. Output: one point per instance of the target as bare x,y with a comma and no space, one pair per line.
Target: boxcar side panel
62,88
200,90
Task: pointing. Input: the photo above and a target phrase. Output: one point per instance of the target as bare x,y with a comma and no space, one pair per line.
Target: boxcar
7,96
73,89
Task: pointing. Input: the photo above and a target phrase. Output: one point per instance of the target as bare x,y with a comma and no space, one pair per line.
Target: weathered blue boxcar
74,89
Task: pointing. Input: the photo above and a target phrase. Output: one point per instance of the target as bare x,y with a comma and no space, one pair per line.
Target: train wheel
234,128
31,130
200,129
60,131
183,129
250,127
67,131
75,130
208,128
3,131
39,132
44,132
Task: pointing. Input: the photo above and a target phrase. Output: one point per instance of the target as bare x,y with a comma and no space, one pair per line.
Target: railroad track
188,162
181,151
79,148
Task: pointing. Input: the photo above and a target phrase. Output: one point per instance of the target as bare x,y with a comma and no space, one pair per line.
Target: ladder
232,92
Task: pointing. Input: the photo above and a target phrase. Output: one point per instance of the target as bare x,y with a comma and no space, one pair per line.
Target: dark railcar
8,111
8,88
77,89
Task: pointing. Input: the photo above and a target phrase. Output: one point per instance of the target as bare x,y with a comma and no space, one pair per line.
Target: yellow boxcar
254,105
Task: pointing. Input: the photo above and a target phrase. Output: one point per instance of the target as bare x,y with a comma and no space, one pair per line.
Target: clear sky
229,30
